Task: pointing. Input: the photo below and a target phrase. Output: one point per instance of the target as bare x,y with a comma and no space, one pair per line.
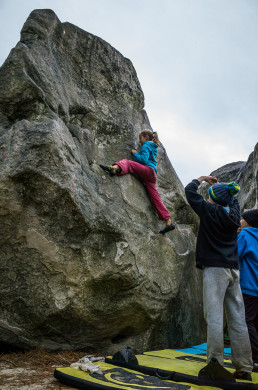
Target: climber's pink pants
149,178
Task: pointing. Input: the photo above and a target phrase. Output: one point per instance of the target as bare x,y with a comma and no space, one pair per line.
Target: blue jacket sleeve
143,156
195,200
241,244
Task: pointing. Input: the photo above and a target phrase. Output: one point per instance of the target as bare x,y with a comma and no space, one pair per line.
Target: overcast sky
196,60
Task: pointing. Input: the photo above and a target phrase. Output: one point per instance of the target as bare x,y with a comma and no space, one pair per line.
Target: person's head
148,135
223,193
249,219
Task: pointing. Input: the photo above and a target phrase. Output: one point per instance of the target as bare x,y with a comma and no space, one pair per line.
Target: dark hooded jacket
217,236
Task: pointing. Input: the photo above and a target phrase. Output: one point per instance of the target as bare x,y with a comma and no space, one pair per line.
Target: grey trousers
221,290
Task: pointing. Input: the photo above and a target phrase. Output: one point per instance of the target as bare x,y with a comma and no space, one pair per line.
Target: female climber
146,169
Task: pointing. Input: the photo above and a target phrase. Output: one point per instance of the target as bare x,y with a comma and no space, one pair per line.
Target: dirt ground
34,370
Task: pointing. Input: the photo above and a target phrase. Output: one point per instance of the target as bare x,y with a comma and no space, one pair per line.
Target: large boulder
82,264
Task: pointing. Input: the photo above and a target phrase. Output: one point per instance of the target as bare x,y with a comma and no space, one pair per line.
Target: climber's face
143,139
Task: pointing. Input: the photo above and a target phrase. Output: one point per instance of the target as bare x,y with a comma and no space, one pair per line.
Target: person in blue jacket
145,167
217,256
247,241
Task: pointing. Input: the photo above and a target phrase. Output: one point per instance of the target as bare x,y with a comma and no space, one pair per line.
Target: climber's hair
153,136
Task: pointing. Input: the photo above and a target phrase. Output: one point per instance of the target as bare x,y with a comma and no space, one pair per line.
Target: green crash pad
179,370
115,378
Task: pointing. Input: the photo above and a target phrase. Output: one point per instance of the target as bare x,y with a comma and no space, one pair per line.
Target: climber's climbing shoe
108,169
168,228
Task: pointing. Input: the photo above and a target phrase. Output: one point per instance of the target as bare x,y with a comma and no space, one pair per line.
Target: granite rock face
248,180
82,265
245,174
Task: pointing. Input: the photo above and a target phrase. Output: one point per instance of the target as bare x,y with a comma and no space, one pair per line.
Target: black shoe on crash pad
243,375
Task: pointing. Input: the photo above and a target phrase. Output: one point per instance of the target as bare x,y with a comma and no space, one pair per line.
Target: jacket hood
151,145
251,231
228,222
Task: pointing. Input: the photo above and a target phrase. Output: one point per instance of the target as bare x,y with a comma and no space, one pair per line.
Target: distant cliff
82,265
245,174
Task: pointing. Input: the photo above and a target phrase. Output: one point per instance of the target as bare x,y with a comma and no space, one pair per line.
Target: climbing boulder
82,264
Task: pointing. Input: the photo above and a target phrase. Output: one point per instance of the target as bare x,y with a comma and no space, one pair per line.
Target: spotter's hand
208,179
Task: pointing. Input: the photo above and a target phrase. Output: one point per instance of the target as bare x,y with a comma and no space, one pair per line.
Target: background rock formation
248,180
245,174
82,265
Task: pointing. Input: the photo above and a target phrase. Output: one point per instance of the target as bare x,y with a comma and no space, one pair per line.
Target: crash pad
163,369
115,378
